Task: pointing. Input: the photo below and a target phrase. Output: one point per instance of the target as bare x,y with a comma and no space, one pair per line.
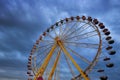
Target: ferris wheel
71,49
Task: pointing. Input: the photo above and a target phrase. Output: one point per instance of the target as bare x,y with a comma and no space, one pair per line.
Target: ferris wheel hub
57,39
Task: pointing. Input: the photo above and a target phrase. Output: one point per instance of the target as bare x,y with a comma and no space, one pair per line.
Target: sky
22,21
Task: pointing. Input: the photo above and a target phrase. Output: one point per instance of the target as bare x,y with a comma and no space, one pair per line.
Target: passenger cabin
83,17
109,65
78,17
108,38
101,26
107,33
103,78
100,70
109,48
105,30
106,59
111,41
89,19
112,52
95,21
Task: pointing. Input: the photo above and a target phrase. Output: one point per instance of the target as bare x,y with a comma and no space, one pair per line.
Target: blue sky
21,22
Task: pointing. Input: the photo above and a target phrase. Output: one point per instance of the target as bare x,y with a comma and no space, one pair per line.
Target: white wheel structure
70,50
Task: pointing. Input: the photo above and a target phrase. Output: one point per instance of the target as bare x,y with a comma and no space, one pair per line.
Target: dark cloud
16,29
11,69
10,64
21,22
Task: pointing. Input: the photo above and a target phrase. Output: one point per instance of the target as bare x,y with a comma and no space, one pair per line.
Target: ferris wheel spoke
78,55
72,28
64,29
58,75
48,41
58,68
87,36
41,59
73,61
35,67
45,63
82,35
84,25
49,35
80,31
60,29
54,65
55,32
54,77
39,47
48,68
72,72
83,29
85,45
43,51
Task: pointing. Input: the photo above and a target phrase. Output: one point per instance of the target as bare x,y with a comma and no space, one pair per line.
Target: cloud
11,69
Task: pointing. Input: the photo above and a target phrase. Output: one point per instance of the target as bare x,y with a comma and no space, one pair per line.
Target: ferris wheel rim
92,24
98,53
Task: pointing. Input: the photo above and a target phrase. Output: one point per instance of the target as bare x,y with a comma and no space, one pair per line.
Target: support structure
45,63
73,61
42,69
54,66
